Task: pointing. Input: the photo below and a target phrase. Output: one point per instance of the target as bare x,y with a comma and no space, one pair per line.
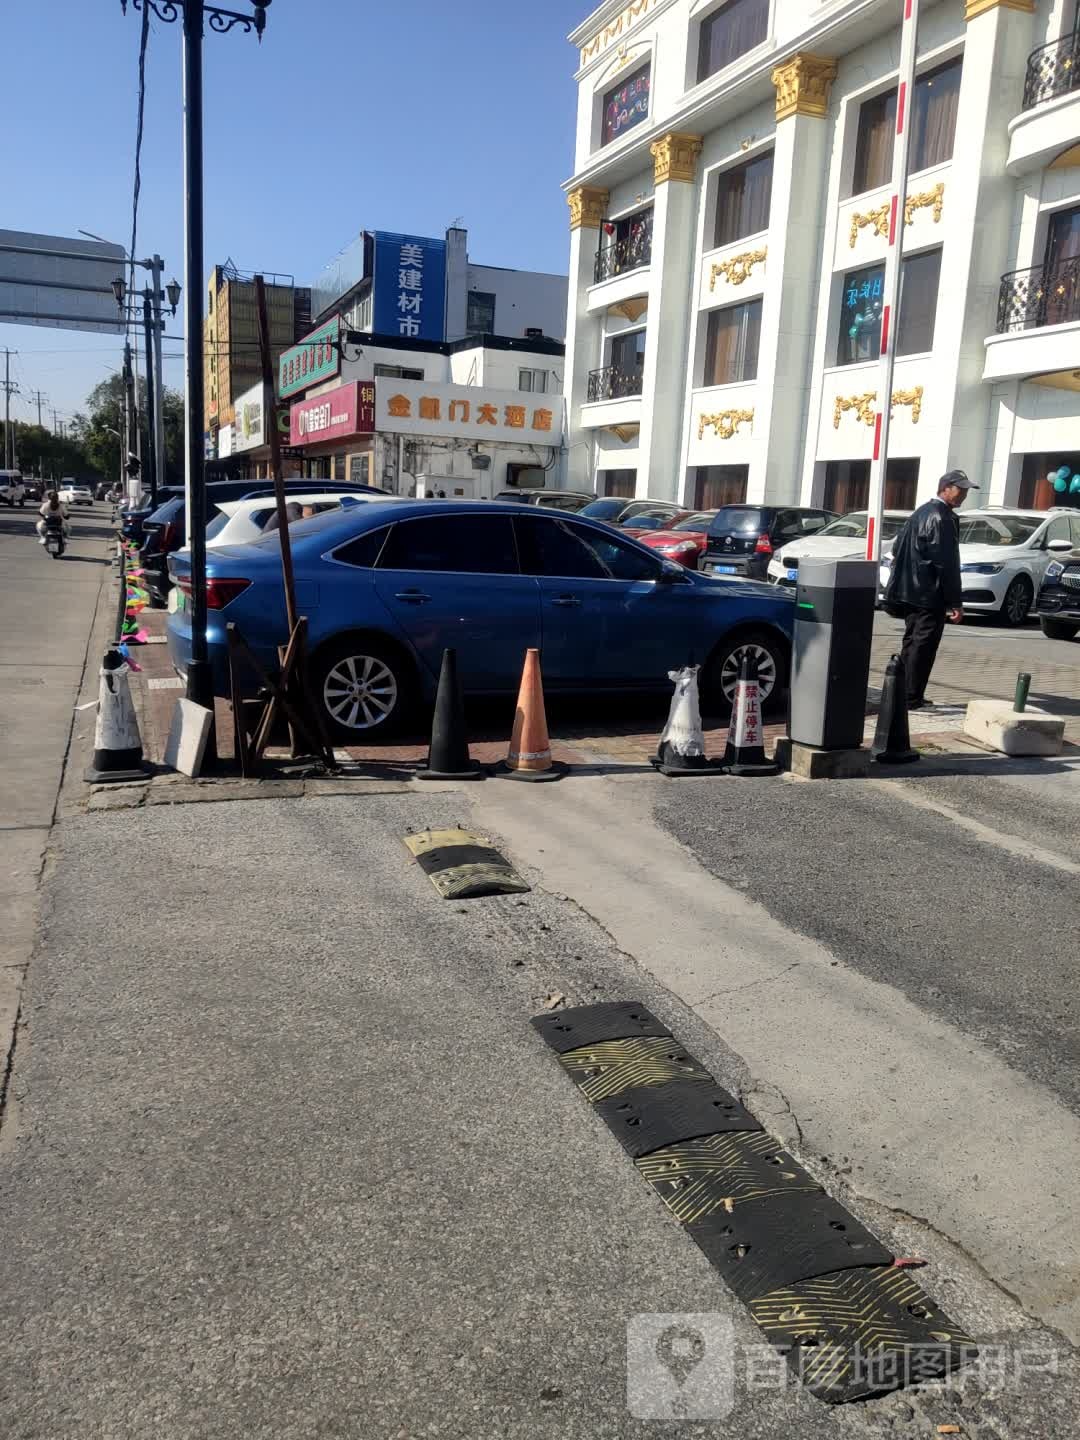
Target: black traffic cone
682,745
448,754
118,752
892,739
746,739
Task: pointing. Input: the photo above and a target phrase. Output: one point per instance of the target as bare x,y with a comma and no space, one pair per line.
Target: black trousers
922,636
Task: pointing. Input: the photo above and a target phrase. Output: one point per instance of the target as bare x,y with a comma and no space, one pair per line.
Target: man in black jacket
924,583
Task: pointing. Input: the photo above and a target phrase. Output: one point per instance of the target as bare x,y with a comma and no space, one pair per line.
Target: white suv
12,488
1003,557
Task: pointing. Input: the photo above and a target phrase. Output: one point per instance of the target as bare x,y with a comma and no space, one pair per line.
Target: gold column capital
675,157
974,8
803,86
588,206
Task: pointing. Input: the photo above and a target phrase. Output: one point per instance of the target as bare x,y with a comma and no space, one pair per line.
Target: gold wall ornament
632,309
736,271
724,423
982,7
588,206
933,199
625,433
619,26
879,218
803,86
864,404
675,157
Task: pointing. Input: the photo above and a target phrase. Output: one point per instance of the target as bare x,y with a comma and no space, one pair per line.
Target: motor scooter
54,536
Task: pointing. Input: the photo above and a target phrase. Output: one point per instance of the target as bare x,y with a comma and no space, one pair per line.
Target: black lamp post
200,681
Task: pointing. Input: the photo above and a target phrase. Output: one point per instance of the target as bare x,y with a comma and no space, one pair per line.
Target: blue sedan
387,587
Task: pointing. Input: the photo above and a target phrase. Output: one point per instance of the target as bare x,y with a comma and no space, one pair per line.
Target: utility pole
36,397
9,388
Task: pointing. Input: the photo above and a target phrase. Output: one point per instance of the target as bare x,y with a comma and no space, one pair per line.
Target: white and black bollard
117,744
682,745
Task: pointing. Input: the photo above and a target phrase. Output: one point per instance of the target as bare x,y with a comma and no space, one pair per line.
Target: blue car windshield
605,509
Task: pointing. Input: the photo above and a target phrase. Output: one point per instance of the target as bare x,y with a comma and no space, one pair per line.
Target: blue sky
351,114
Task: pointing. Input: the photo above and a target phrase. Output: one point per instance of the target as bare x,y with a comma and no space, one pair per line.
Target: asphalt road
286,1160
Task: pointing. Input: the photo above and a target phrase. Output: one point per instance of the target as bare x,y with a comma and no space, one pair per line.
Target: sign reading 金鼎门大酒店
335,415
471,412
409,286
315,359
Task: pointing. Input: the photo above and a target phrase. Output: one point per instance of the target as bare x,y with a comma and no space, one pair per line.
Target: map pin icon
681,1350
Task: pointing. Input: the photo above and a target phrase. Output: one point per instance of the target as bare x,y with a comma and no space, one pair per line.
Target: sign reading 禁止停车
315,359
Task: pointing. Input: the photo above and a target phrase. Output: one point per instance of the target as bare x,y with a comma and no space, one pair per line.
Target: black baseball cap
957,478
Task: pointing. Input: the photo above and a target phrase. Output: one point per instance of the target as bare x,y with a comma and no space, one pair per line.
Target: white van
12,488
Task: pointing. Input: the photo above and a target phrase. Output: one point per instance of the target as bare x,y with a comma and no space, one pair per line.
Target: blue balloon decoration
1063,472
1061,484
1074,485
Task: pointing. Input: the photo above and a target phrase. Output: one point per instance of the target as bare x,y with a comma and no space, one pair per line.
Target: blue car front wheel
768,659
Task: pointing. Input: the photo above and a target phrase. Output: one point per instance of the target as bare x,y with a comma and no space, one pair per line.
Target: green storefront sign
316,358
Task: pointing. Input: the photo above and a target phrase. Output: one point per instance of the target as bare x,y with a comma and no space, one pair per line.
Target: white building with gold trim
728,234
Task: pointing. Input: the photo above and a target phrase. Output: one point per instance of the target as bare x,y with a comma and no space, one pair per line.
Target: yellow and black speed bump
854,1333
464,866
714,1173
646,1119
590,1024
820,1285
613,1066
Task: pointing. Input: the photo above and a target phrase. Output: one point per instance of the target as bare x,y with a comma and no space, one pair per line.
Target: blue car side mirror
672,573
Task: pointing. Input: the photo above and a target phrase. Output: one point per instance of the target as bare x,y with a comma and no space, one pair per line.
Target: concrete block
1029,732
810,763
188,734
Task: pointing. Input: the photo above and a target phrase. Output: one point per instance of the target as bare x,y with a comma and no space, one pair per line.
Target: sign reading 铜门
335,415
315,359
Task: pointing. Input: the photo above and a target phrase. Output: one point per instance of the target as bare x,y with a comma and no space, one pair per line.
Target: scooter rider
52,510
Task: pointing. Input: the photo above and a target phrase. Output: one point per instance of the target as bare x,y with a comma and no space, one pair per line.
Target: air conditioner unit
481,462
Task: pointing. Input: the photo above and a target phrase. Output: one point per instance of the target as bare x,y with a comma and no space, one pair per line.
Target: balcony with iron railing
1043,295
611,383
1052,70
1049,120
627,252
1038,322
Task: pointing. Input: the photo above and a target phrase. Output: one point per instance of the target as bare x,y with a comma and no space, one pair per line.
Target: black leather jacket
926,561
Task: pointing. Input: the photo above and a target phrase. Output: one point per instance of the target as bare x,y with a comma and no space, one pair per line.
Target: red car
684,541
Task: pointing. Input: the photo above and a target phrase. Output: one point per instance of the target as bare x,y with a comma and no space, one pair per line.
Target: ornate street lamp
200,681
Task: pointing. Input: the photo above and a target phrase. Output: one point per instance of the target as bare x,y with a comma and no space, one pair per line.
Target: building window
359,469
730,32
1037,479
933,128
398,372
339,467
626,105
627,355
861,302
533,380
731,345
622,483
716,485
480,319
743,200
847,485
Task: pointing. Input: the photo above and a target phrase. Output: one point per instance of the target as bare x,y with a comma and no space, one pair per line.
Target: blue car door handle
412,597
565,600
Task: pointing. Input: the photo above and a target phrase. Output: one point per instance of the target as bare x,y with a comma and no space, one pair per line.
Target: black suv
742,538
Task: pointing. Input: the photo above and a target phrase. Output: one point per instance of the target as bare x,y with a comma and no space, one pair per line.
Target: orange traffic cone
530,747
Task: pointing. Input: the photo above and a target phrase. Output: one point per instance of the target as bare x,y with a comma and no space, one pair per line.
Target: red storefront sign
338,415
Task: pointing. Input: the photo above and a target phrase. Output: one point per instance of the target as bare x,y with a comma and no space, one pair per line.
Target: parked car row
388,583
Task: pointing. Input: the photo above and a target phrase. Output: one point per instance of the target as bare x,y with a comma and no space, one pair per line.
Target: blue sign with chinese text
409,286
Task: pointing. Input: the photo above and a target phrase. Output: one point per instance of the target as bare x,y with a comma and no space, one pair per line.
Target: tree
101,427
41,452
